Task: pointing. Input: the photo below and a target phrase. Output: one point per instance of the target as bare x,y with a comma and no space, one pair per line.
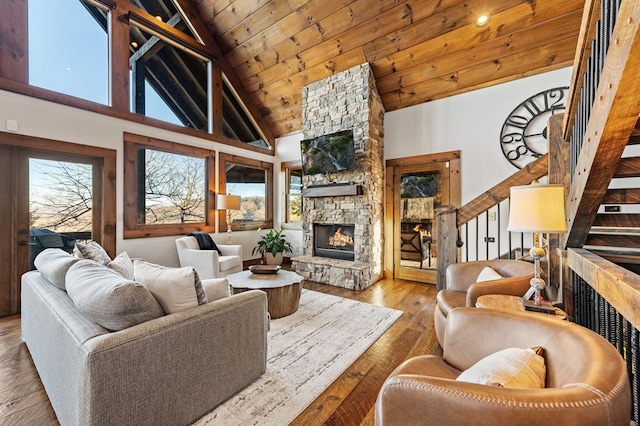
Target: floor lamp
228,202
539,209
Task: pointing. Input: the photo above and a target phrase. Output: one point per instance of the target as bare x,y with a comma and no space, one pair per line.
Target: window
169,188
69,48
293,187
252,180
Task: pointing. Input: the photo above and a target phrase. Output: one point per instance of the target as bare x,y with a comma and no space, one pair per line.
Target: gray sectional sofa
170,370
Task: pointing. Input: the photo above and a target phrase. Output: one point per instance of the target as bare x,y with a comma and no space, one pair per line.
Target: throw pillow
176,289
488,274
109,299
53,264
509,368
123,265
92,251
216,288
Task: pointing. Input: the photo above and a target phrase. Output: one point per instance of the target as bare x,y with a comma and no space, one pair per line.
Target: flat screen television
328,153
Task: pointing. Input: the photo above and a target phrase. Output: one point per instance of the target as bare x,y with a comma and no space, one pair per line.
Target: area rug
308,350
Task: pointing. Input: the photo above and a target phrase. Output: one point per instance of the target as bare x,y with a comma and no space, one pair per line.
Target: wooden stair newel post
447,238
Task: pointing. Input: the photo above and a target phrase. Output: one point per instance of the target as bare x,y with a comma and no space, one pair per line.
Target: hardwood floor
348,401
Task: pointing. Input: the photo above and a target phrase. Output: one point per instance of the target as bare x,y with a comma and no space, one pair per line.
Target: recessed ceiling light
482,20
159,18
134,44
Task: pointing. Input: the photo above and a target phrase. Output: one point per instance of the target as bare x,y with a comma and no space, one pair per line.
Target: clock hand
542,133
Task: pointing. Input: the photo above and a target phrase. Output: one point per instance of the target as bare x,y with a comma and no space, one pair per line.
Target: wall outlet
492,216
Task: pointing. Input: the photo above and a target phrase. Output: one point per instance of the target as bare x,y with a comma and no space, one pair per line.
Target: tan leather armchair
586,379
463,290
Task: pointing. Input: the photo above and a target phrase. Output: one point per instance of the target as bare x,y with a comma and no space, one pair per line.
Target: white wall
470,122
53,121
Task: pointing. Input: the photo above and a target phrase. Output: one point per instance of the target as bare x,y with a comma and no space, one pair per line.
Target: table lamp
539,209
228,202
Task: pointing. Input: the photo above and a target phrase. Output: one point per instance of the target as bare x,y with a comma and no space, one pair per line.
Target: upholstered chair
586,379
464,285
209,263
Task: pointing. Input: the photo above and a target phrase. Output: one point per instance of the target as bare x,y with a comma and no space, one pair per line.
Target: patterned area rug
307,352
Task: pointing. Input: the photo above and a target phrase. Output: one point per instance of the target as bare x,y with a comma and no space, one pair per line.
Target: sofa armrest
174,369
513,286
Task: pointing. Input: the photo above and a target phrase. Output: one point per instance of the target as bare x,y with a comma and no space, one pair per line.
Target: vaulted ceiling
419,50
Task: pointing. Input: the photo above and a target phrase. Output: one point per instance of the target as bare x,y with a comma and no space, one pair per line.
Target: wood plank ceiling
420,50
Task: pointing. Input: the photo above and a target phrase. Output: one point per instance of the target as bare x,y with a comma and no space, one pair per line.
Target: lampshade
537,208
228,202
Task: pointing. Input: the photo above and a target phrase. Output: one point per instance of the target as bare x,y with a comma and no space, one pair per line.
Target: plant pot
269,259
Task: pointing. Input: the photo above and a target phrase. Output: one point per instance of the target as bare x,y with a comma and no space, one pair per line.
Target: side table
511,303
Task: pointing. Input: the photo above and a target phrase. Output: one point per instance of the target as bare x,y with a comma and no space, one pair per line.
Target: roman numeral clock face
524,133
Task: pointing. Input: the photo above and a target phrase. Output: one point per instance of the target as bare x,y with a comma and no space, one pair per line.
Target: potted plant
271,246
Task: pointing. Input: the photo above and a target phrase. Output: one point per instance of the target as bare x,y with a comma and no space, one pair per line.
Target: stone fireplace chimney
346,101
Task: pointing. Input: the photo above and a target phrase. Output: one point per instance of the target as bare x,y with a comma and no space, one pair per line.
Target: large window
168,188
252,180
69,48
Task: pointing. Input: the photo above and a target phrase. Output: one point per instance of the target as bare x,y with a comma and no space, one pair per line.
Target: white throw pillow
216,288
488,274
509,368
176,289
123,265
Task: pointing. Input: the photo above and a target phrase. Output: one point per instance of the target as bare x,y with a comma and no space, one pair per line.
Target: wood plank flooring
350,400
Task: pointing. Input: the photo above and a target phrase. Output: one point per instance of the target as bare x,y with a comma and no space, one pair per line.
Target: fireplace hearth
334,241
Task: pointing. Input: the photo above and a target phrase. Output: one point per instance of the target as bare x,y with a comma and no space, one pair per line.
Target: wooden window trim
131,227
222,189
286,168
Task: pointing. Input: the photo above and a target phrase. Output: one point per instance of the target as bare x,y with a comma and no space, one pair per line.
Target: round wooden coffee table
511,303
283,289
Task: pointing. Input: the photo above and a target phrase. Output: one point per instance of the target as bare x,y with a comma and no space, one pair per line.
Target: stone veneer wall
348,100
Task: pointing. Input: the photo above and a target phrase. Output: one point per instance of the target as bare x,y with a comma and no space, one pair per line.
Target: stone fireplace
349,201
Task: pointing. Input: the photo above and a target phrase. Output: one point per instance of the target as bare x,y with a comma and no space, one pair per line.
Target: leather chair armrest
513,286
425,400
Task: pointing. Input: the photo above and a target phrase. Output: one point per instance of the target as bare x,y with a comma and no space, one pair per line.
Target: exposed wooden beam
14,64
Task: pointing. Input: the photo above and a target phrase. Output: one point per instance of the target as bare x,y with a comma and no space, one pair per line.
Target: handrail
619,286
500,192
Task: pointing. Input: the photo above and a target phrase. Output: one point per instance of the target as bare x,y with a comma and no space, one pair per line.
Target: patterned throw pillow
176,289
92,251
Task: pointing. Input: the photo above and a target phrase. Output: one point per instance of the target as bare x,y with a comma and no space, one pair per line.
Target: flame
339,239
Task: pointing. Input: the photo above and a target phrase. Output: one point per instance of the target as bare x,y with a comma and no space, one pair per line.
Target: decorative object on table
271,247
264,269
524,134
229,203
539,209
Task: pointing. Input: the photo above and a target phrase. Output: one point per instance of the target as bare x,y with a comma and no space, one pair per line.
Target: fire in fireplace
333,240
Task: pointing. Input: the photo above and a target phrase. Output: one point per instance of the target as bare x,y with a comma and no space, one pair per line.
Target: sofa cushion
123,265
53,264
109,299
488,274
176,289
509,368
92,251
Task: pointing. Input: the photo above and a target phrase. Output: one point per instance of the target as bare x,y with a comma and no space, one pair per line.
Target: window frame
132,229
286,168
224,160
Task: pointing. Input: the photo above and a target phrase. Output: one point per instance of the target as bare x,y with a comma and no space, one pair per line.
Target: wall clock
524,133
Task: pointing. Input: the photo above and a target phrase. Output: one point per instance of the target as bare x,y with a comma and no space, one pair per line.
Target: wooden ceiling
419,50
